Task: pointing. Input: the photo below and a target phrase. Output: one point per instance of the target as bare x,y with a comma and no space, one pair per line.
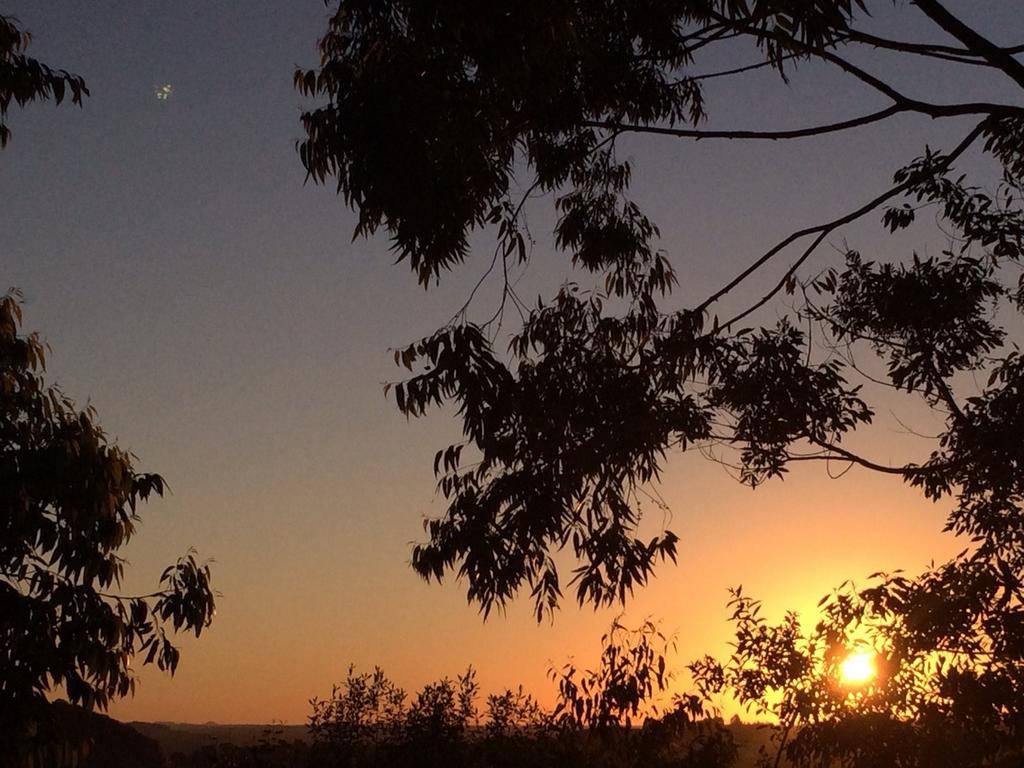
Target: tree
433,109
68,504
631,673
368,721
946,688
24,80
432,115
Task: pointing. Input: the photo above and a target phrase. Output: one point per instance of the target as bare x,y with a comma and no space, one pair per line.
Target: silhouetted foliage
435,114
631,673
370,721
68,504
618,713
606,717
949,651
434,118
24,80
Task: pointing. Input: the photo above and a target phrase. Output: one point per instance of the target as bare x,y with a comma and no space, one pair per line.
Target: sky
214,309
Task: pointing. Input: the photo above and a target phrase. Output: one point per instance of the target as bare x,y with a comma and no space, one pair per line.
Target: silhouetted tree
618,715
363,712
436,113
622,689
948,680
434,119
68,505
23,79
369,721
605,717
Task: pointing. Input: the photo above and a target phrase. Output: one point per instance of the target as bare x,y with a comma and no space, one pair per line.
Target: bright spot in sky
858,668
163,92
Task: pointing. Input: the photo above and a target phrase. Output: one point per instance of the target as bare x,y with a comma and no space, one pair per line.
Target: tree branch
976,43
797,133
930,50
785,278
735,71
841,454
824,229
902,104
934,110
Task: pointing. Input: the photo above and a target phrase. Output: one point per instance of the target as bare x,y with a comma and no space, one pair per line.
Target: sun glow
858,668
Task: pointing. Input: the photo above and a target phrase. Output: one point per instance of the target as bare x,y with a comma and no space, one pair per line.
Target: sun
858,668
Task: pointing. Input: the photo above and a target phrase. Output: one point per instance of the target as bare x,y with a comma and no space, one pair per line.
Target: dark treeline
369,722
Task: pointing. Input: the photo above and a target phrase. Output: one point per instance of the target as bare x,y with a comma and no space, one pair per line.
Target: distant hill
110,743
186,738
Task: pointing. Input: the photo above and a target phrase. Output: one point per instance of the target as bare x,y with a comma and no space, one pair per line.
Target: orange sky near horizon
214,309
788,543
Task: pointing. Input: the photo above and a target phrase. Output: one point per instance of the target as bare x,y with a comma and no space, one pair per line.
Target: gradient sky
214,309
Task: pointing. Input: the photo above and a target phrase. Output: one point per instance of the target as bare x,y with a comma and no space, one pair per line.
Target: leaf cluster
24,79
431,155
68,505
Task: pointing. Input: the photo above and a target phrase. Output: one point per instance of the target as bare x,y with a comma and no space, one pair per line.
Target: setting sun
858,668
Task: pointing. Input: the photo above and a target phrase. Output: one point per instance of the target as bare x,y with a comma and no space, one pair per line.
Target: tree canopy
433,117
68,504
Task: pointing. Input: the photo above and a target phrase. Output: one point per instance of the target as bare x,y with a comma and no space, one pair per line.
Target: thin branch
945,53
830,457
782,283
865,77
700,38
782,743
930,50
472,294
928,108
842,473
527,195
914,105
905,105
851,361
946,395
69,581
723,33
736,71
909,430
702,33
796,133
934,110
842,453
829,227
